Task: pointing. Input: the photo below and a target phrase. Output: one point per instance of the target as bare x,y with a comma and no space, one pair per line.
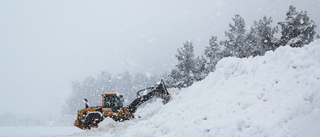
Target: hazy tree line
91,88
296,30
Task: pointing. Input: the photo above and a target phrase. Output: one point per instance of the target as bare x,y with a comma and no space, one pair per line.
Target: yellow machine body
102,112
112,106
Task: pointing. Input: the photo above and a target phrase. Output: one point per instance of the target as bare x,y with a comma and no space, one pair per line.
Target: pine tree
235,44
200,68
212,54
184,73
297,30
261,37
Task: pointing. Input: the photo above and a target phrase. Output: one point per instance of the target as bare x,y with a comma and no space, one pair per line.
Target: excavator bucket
159,91
162,92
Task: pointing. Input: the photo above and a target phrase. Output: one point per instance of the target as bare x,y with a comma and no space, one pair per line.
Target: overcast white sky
46,44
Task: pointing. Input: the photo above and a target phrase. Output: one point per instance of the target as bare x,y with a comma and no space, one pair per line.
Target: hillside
273,95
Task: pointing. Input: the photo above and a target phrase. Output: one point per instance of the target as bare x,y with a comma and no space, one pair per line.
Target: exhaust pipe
86,103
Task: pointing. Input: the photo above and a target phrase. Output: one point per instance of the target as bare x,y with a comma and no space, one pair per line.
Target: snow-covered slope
274,95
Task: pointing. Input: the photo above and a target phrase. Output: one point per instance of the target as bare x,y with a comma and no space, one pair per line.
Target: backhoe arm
159,91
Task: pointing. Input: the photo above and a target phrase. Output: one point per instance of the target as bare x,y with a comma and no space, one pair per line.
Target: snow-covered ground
36,131
274,95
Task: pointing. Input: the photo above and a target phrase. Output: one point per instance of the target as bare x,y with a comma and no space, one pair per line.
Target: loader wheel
93,118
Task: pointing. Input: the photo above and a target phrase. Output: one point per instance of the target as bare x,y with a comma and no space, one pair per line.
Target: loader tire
92,118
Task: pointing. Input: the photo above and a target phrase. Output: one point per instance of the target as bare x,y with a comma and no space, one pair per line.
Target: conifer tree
184,73
297,30
200,68
261,37
235,44
212,54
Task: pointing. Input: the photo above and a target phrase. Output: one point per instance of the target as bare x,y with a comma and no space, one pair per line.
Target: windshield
113,101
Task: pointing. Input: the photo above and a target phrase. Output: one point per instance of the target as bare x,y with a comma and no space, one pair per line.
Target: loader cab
112,101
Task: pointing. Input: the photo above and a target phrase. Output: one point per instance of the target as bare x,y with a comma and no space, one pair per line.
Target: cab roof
104,94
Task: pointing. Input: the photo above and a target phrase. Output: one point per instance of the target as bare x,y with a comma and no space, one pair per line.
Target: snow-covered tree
261,37
235,44
297,30
200,68
213,54
185,72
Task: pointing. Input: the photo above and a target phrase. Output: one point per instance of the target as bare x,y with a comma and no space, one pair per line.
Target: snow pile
274,95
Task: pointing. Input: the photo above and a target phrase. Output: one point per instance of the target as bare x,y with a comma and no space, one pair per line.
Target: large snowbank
274,95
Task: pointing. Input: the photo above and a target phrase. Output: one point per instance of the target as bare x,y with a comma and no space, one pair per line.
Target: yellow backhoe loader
112,106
